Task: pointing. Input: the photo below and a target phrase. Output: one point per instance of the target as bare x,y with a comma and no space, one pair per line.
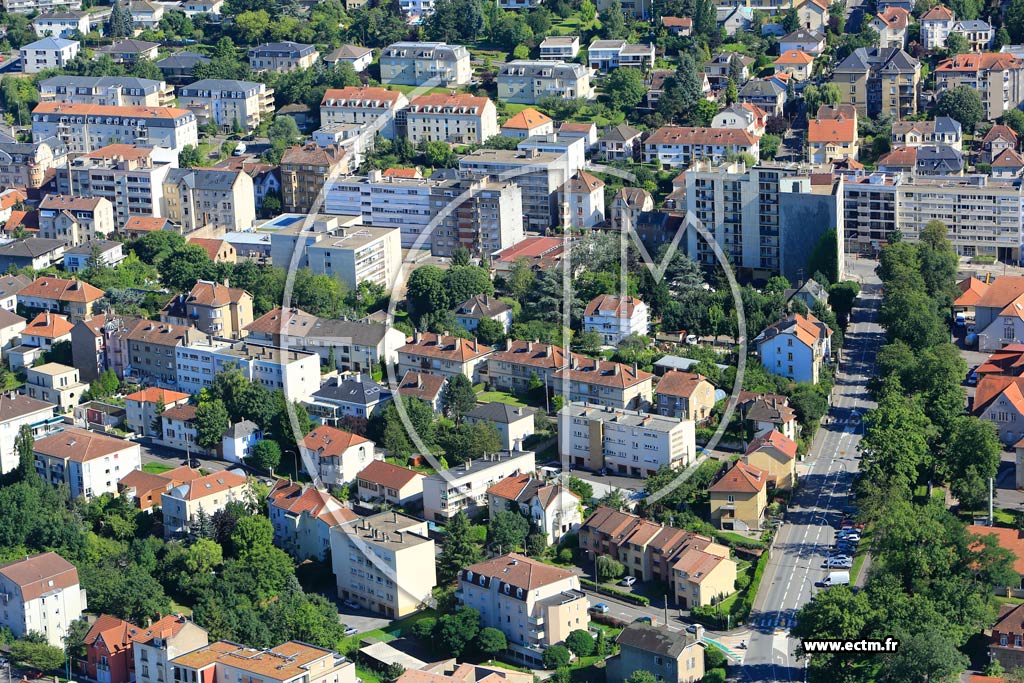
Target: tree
426,291
458,398
421,417
491,642
770,146
581,488
608,568
557,657
189,157
463,282
507,530
203,556
791,20
251,534
180,269
973,455
490,332
895,443
625,89
24,446
825,257
41,656
455,632
643,676
580,643
613,24
587,11
266,456
120,23
211,422
842,296
458,550
962,103
956,43
1014,118
536,544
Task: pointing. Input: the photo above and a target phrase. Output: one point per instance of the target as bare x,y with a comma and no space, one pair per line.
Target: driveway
174,458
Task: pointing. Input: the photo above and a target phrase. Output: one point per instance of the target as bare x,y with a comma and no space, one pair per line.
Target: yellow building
700,576
774,454
739,499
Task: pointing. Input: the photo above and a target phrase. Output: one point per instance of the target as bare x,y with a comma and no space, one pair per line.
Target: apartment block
290,662
997,77
230,104
445,355
385,563
464,488
206,495
488,220
18,410
282,57
55,383
603,383
88,127
625,442
31,6
196,198
212,308
605,55
162,641
41,594
434,64
335,455
302,517
675,146
539,176
455,118
295,373
514,367
377,108
47,53
25,164
75,220
305,169
90,464
527,82
150,347
879,82
114,91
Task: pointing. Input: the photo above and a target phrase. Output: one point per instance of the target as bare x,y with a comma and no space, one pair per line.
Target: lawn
862,553
499,397
740,538
411,88
156,468
367,675
566,27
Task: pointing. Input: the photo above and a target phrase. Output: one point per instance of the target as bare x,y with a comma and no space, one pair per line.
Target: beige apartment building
213,308
526,82
304,170
162,641
385,563
458,118
998,77
534,604
208,494
117,91
376,107
514,367
196,198
603,383
55,383
24,164
282,57
75,220
291,662
443,355
435,64
228,103
739,498
879,82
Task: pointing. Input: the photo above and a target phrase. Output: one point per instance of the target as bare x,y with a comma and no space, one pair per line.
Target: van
239,150
836,579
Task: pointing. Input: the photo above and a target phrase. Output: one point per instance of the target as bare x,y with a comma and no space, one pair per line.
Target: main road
802,542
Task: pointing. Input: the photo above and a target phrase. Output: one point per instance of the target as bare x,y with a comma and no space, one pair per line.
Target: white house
936,25
615,317
61,24
583,201
479,306
337,456
795,347
18,410
41,594
90,464
239,440
48,53
552,508
514,424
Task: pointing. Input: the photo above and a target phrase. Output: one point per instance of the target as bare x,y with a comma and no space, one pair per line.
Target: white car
628,581
691,339
840,562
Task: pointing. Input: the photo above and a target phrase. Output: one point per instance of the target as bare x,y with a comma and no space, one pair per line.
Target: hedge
614,592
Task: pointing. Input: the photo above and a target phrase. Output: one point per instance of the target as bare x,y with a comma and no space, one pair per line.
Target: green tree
507,530
825,257
1014,118
458,398
41,656
457,551
972,456
490,332
608,568
625,89
120,24
284,131
203,557
956,43
266,456
557,657
211,422
421,417
24,446
770,146
642,676
455,632
491,642
587,12
251,535
180,269
962,103
581,488
462,282
613,23
895,444
426,291
189,157
939,263
580,643
536,544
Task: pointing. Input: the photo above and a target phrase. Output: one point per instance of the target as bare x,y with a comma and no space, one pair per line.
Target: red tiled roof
1000,131
156,395
742,478
527,119
531,248
510,487
991,387
679,383
331,442
1002,292
386,474
59,289
895,17
621,306
775,440
832,130
425,386
519,571
901,156
49,326
676,22
938,13
971,290
603,372
77,109
446,347
987,61
443,103
794,57
679,135
410,173
1009,539
116,634
363,97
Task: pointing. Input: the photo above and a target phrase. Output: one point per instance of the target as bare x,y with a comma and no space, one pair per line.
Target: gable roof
742,478
1002,292
117,635
498,412
658,640
776,441
156,395
331,442
794,57
991,387
1000,131
1009,539
40,574
679,383
425,386
386,474
446,347
208,485
894,17
938,13
1008,158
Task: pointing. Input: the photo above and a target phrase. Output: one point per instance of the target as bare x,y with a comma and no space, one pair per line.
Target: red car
33,674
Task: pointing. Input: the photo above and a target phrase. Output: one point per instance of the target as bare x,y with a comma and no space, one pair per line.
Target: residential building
832,139
726,65
375,107
294,373
434,64
382,482
616,317
85,128
775,454
977,33
41,595
678,26
193,8
33,252
1006,644
811,293
684,396
620,143
41,333
605,55
304,171
539,176
672,656
61,24
282,57
629,203
739,498
25,164
54,383
765,412
206,496
538,253
936,25
11,327
33,6
796,347
10,285
424,386
767,94
464,488
546,601
75,220
108,650
623,442
115,91
996,140
178,67
603,383
813,15
675,146
130,177
90,464
811,42
107,252
879,81
742,116
526,81
1008,165
350,396
144,407
942,130
444,355
150,351
72,297
559,48
385,563
162,641
18,410
290,662
129,51
213,308
552,509
582,201
480,307
733,20
302,517
180,431
336,455
196,198
146,15
458,119
732,203
998,77
47,53
144,489
238,442
230,104
796,63
514,424
999,399
359,58
515,366
572,152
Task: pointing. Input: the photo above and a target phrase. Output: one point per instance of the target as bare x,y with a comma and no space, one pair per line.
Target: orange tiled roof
742,478
519,571
115,633
794,57
985,61
141,112
621,306
680,135
527,119
59,289
938,13
331,442
386,474
446,346
774,439
832,130
679,383
444,103
49,326
156,395
603,372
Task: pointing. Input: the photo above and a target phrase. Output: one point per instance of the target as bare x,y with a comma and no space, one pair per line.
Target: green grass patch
499,397
406,89
406,623
156,468
739,539
498,664
368,675
861,556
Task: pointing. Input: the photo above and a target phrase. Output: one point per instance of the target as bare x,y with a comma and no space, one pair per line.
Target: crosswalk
774,622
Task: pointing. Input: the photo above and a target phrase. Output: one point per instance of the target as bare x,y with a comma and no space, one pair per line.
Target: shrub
557,657
580,643
565,556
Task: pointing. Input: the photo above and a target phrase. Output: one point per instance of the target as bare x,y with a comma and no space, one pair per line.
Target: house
797,63
144,489
90,464
539,253
290,662
936,25
767,94
678,26
514,424
392,549
655,83
33,252
766,412
571,130
178,67
728,65
899,160
742,116
302,517
434,64
460,118
219,251
620,143
1008,165
25,164
1006,644
998,77
146,15
48,53
145,406
282,57
382,482
879,81
19,410
1010,540
813,15
10,285
976,32
939,160
672,656
230,104
11,327
796,347
41,595
831,140
605,55
483,306
160,642
675,146
527,123
213,308
336,455
733,20
443,355
355,396
891,25
358,57
739,498
684,396
941,130
54,383
179,430
582,201
424,386
61,24
183,505
75,220
627,204
106,252
616,317
363,106
525,81
560,48
1000,400
129,51
971,291
775,455
997,139
464,488
108,650
194,8
603,383
811,42
239,440
512,584
552,509
45,330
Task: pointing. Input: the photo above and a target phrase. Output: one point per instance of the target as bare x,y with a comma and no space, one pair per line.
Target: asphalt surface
172,457
801,544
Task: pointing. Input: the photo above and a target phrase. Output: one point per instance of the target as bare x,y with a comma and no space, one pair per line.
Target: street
801,544
151,452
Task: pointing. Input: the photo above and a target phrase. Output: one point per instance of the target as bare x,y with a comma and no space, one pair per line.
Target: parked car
841,562
628,581
599,608
350,631
352,604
